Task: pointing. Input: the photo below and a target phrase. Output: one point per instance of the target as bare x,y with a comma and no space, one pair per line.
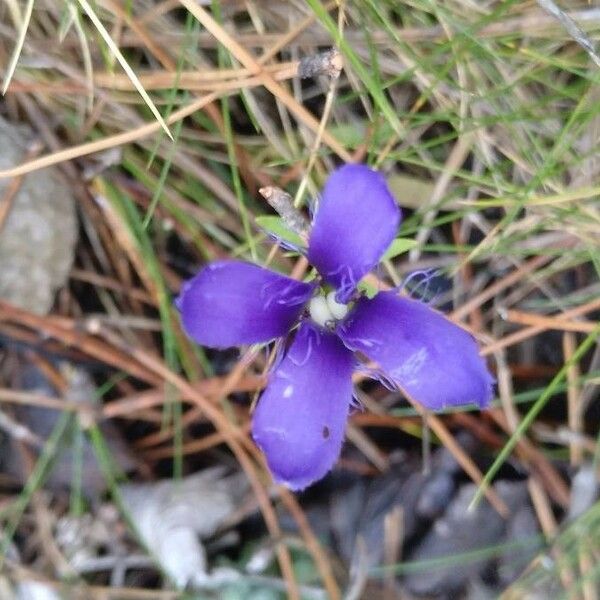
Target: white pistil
338,310
325,311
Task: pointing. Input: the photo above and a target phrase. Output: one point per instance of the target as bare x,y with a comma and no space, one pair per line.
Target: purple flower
300,419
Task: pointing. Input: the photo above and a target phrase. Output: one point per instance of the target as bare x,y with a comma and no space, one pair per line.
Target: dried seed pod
328,63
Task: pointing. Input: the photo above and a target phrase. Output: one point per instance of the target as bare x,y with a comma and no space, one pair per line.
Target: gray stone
461,532
523,529
38,238
41,422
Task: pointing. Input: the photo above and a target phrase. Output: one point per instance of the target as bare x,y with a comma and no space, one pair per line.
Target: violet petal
232,302
300,419
430,358
356,221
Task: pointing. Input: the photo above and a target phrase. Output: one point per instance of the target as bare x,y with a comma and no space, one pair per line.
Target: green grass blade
34,482
366,77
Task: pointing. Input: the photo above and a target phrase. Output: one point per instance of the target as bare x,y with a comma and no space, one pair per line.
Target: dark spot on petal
325,432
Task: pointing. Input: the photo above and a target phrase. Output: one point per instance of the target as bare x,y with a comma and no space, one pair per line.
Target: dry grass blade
575,420
462,458
106,143
192,80
528,332
548,322
131,135
70,334
535,460
572,28
322,562
89,11
501,284
14,59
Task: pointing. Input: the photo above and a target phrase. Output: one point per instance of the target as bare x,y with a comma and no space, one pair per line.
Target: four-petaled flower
300,419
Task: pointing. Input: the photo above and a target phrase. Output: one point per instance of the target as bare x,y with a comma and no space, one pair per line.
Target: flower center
326,310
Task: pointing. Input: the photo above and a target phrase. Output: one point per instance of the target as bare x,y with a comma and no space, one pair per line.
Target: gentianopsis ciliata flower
300,419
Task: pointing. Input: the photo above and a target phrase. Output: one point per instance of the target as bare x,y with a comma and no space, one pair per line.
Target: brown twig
283,203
